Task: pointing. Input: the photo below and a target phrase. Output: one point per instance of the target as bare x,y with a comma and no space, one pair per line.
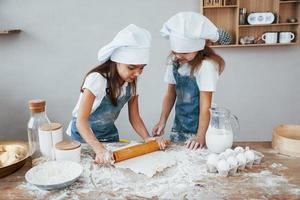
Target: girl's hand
160,140
104,157
196,142
159,129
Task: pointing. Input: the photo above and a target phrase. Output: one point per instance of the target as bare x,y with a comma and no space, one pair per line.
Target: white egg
232,161
211,163
222,156
238,150
228,152
212,159
223,165
241,159
249,155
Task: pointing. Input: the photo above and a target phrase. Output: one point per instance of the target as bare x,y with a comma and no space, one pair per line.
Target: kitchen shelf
279,24
253,45
283,2
226,6
226,16
8,32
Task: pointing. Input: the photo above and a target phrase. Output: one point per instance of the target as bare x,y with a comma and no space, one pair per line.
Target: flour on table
148,164
187,179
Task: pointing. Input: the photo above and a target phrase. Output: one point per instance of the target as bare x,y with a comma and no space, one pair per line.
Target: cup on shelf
286,37
270,37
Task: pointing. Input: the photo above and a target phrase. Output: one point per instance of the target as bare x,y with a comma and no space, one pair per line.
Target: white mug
270,37
286,37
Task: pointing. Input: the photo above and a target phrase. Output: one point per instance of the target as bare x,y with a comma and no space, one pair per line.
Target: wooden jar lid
67,145
37,105
50,127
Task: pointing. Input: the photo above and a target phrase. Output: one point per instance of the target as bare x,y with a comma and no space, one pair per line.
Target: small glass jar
243,16
38,117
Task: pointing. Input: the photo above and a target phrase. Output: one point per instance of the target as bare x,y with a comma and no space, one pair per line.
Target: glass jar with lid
38,117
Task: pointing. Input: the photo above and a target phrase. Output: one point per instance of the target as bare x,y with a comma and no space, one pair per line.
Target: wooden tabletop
236,189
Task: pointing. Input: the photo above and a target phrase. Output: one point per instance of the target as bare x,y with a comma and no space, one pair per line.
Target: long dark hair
206,53
109,71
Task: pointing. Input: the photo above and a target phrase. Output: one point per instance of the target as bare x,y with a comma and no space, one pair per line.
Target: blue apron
186,108
102,119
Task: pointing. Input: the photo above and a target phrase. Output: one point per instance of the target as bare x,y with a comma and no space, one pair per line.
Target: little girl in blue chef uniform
107,88
192,77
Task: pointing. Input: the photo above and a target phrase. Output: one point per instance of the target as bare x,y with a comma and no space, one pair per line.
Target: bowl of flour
53,175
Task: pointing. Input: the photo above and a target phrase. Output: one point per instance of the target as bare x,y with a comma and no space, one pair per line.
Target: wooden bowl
286,139
9,169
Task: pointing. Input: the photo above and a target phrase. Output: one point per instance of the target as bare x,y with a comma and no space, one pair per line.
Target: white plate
261,18
54,174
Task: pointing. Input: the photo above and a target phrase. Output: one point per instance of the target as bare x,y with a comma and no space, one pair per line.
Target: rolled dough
149,164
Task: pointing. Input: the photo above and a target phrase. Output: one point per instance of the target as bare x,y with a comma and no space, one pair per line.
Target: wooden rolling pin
137,150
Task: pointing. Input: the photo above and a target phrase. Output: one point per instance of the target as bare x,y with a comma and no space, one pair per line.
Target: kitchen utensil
136,150
223,126
54,174
286,139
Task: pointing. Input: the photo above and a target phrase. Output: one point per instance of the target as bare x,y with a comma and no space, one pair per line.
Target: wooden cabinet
226,15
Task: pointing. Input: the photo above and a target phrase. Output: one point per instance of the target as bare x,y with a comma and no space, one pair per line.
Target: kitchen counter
277,177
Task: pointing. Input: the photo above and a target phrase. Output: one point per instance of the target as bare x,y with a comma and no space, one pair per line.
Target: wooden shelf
282,2
8,32
279,24
228,19
253,45
227,6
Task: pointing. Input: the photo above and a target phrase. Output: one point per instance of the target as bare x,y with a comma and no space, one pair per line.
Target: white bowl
54,174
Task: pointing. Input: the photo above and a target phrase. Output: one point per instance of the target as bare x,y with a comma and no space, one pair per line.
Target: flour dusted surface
187,178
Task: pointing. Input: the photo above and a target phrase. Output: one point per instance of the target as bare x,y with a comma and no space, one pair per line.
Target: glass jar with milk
222,128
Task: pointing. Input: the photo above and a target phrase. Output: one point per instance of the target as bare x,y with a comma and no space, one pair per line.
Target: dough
149,164
9,154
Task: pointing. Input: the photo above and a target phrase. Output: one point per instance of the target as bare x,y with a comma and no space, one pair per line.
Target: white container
286,37
218,140
49,135
270,37
68,150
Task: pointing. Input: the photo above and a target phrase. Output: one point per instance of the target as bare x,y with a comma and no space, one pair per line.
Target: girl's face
129,72
185,57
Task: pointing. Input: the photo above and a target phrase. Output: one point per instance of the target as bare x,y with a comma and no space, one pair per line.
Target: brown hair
206,53
109,71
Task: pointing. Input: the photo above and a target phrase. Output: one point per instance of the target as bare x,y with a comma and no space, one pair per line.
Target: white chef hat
187,32
130,46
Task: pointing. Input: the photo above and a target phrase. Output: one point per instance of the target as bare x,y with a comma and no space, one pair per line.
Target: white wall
59,44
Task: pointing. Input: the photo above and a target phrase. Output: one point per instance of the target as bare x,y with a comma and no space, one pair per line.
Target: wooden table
236,189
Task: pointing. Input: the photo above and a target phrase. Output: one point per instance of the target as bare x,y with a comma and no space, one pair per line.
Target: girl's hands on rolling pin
196,142
104,157
159,129
160,140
